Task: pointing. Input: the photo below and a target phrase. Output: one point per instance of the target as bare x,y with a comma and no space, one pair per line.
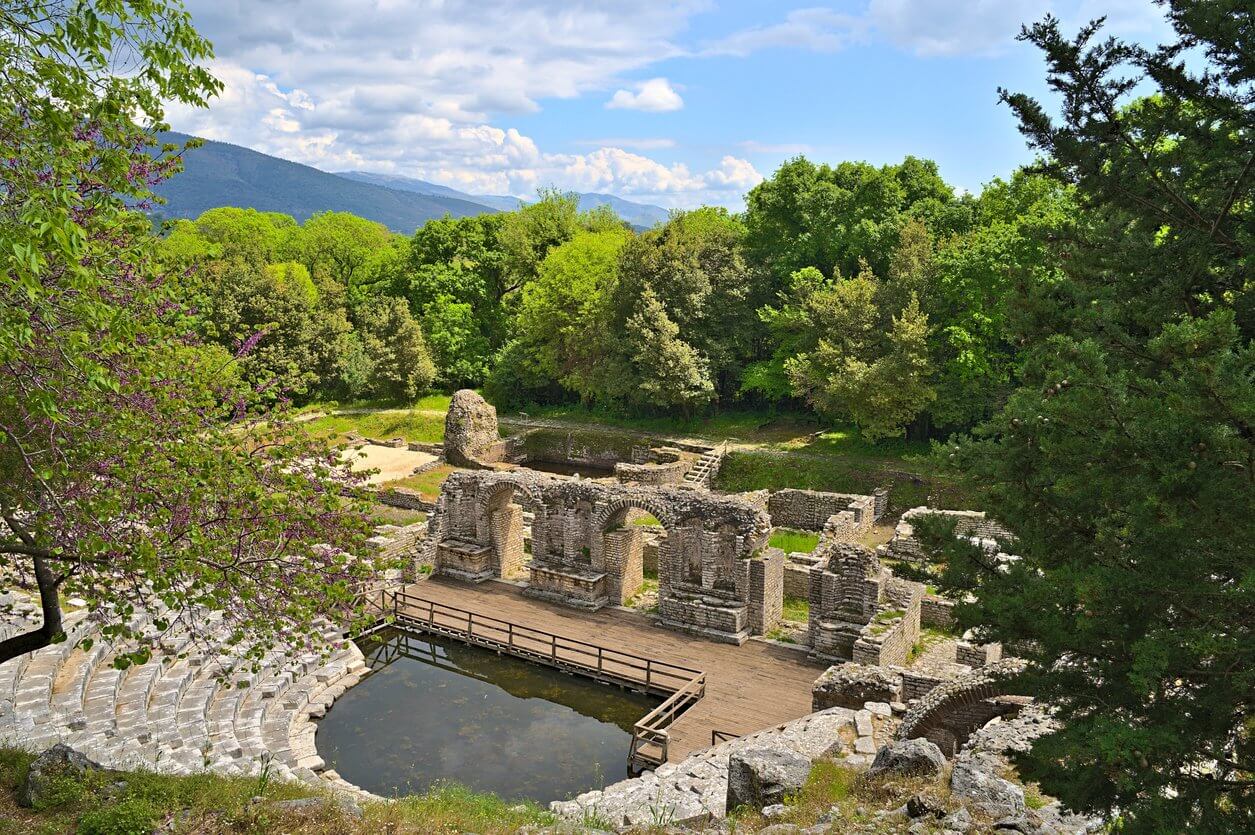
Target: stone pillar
766,591
623,563
507,540
881,497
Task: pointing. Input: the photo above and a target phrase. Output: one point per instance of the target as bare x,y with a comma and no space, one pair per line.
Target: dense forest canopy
872,295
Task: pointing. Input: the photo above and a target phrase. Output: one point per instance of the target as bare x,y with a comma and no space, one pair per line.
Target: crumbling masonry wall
810,509
716,577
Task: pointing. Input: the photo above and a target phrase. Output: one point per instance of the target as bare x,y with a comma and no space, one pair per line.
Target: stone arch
950,712
657,506
501,527
620,552
528,496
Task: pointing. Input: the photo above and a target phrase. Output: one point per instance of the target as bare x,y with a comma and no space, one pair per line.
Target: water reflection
436,709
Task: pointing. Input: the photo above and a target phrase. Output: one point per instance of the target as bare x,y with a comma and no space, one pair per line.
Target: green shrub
132,816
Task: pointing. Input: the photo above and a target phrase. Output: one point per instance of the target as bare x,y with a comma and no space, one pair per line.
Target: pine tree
1125,461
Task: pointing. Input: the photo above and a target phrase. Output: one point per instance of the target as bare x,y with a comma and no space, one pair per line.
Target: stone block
852,685
760,777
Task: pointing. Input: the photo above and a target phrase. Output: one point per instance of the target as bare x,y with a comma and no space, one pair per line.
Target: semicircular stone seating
183,711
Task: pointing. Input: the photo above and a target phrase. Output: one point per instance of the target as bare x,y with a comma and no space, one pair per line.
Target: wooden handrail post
649,666
553,647
510,634
470,624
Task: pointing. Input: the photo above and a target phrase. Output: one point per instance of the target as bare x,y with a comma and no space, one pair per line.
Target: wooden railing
682,687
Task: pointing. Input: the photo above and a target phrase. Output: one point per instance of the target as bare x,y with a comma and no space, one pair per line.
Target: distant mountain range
641,215
221,174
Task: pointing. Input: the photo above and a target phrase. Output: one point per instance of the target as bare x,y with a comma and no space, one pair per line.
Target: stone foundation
583,589
725,621
465,560
810,510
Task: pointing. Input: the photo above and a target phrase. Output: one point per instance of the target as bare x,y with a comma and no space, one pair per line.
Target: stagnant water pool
434,709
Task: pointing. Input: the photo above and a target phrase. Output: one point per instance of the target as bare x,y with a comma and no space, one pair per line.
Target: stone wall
766,591
889,642
936,612
810,509
404,498
624,557
859,611
585,551
671,472
971,524
588,448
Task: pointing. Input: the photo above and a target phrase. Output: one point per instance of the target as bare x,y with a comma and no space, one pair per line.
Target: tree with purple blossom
137,468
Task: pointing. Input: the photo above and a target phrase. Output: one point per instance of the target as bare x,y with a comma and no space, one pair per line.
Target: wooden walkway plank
748,688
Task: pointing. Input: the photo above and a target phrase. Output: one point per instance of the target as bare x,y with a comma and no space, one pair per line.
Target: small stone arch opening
504,520
624,543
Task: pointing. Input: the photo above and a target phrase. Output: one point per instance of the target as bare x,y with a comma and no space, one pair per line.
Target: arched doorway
503,526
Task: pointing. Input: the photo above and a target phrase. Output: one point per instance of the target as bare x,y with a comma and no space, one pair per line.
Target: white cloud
654,96
638,143
817,30
943,27
935,27
419,88
476,157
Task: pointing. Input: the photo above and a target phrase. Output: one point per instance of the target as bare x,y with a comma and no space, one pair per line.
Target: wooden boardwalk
748,688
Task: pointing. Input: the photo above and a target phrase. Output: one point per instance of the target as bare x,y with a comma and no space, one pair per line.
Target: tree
693,267
393,345
136,470
527,235
831,218
343,244
561,315
668,372
1125,460
854,359
293,329
456,286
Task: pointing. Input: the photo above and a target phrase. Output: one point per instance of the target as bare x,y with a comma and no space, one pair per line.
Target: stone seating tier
184,711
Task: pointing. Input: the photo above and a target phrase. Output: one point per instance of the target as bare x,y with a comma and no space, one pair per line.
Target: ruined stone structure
716,576
654,466
471,436
811,510
859,611
951,712
972,524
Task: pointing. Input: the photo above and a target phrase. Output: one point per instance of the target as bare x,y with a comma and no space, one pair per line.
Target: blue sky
677,103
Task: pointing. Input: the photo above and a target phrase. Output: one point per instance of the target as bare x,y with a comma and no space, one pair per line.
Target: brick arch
946,712
655,505
528,496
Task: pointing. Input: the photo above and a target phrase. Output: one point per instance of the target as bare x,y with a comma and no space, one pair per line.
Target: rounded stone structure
471,437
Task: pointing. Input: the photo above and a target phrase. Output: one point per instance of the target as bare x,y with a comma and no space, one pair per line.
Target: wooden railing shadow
680,687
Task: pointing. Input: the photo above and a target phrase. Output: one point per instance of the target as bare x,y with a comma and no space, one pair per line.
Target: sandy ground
391,463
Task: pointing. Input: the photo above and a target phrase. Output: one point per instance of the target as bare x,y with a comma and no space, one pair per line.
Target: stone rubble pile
697,788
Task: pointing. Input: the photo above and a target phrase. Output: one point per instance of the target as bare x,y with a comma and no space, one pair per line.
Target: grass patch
752,425
646,520
797,610
413,425
427,483
383,514
777,633
929,637
791,541
746,470
649,585
112,803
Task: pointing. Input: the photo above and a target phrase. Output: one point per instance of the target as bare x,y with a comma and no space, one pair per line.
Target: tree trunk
51,629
